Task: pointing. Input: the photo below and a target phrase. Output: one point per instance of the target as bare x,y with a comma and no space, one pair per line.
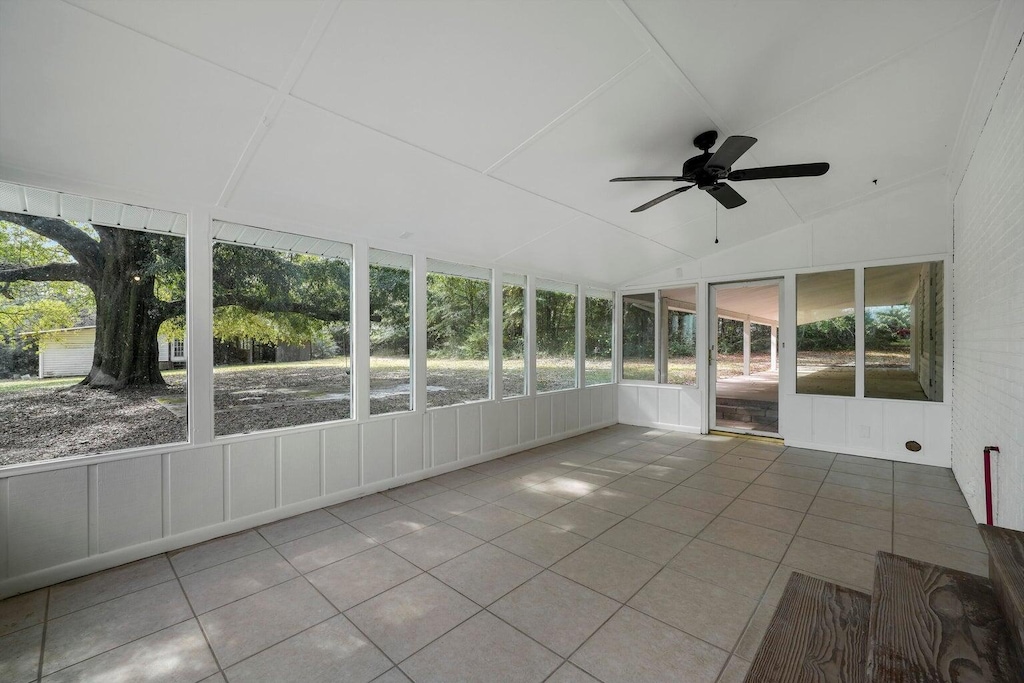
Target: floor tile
643,454
581,519
607,570
493,467
330,651
19,655
217,586
781,481
576,458
674,517
483,648
936,531
96,588
616,501
790,500
615,465
931,493
392,676
407,617
851,512
486,573
754,633
204,555
852,536
747,538
362,507
298,526
846,494
857,481
488,521
644,540
690,452
390,524
846,566
730,569
429,547
447,504
810,458
706,481
540,543
322,548
457,478
589,476
22,611
669,475
703,610
742,474
88,632
178,653
941,554
688,460
360,577
746,461
863,470
634,647
641,486
490,490
555,611
569,673
941,478
953,514
735,671
531,503
769,516
243,628
415,491
566,487
696,499
798,471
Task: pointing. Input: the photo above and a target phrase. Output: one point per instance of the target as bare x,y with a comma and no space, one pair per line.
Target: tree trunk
128,315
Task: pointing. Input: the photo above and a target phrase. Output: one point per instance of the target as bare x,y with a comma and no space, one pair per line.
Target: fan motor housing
695,171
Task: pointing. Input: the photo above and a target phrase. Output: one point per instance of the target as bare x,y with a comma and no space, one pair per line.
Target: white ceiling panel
102,103
590,249
893,124
642,125
468,80
766,211
257,38
319,168
755,59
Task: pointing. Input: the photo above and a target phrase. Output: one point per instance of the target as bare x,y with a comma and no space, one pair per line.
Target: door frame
712,345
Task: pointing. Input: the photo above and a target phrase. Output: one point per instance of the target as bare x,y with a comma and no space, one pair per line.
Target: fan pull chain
716,222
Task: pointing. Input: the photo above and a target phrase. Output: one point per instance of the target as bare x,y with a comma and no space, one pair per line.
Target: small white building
67,352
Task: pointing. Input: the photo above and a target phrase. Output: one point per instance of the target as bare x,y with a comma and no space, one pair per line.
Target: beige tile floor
626,554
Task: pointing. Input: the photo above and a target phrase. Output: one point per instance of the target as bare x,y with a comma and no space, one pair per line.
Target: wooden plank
1006,571
931,624
818,634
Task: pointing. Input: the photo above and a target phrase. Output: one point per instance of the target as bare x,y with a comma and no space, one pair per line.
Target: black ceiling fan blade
659,200
646,177
726,196
772,172
732,149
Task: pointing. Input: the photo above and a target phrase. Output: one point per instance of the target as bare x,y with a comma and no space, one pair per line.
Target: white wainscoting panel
129,502
300,467
469,431
508,431
48,521
527,420
558,413
195,488
587,406
409,444
378,450
490,426
341,458
444,432
572,410
543,404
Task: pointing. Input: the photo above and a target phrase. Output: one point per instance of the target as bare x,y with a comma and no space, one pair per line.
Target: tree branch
51,272
172,309
258,305
85,249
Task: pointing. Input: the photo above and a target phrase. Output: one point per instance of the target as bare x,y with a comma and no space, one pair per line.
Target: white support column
497,345
746,345
199,329
775,348
617,338
530,323
418,333
581,336
360,362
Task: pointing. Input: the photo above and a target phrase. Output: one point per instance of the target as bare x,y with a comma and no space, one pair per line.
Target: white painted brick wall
988,308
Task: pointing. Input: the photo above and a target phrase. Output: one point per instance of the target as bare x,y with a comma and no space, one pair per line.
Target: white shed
67,352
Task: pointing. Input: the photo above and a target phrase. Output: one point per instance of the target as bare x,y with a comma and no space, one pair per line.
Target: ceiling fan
707,171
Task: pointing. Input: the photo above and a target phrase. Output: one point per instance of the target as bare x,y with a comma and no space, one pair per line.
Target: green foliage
390,304
556,323
512,321
831,334
458,317
887,327
598,327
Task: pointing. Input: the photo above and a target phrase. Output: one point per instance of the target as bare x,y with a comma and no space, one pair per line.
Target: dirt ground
44,419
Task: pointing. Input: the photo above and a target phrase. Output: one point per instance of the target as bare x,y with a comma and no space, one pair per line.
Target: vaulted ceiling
487,129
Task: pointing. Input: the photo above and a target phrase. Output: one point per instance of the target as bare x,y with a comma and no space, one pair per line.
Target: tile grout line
42,642
206,637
